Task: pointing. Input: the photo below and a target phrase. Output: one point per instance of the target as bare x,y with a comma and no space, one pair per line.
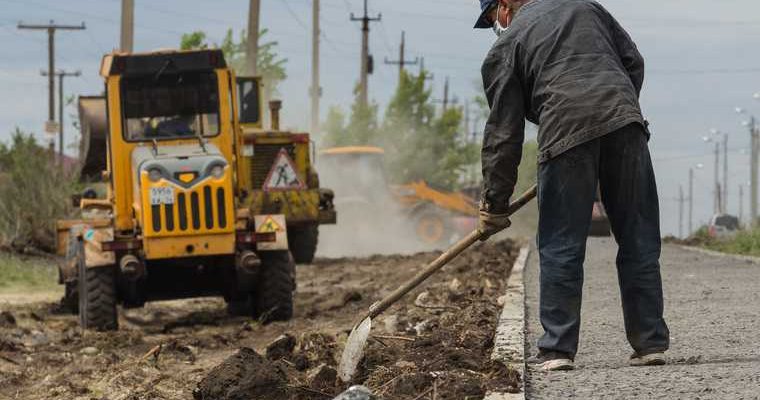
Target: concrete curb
738,257
509,340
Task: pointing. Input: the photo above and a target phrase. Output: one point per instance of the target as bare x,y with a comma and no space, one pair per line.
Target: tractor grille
264,156
204,208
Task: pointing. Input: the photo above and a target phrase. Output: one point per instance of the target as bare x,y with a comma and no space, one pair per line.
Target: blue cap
485,7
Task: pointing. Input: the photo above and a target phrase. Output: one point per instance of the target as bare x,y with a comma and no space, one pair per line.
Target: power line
293,14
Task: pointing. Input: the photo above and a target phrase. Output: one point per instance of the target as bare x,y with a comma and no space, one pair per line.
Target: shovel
357,340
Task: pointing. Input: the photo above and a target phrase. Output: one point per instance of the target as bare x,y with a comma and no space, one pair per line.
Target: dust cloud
370,220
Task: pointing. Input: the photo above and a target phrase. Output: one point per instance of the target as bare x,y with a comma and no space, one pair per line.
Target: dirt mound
242,376
438,339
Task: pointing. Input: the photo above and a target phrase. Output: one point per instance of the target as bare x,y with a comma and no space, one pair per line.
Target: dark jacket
566,65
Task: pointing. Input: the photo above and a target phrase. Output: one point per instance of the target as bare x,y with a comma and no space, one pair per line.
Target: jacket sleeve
504,133
629,54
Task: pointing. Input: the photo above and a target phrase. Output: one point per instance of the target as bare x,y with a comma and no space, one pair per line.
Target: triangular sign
269,226
283,174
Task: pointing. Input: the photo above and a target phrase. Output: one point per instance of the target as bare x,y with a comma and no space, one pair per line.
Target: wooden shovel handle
377,308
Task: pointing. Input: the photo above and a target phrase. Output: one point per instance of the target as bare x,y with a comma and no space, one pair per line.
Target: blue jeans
620,163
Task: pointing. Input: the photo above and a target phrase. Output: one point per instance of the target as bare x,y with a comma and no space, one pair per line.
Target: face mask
497,28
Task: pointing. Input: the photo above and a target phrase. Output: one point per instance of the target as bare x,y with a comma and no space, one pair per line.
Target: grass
746,242
27,273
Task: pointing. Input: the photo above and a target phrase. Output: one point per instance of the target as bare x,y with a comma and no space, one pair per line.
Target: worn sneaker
552,361
650,359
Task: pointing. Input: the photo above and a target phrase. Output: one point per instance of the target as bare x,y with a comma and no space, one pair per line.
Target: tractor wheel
239,308
432,227
273,298
303,243
97,298
70,300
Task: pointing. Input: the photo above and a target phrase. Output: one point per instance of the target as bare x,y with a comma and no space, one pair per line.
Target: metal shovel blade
354,350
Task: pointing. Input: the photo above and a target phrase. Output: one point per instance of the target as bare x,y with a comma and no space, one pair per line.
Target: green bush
34,192
745,242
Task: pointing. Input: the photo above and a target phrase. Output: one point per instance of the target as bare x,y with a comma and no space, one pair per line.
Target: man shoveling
568,66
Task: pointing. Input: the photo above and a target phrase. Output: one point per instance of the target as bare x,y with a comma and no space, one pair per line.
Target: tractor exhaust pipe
131,267
274,108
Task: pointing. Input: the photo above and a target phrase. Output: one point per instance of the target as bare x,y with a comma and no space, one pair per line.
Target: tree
34,192
418,145
421,146
269,65
361,129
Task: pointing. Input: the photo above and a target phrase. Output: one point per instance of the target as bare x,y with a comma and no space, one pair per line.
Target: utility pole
680,211
466,119
402,61
61,74
366,62
753,172
446,99
741,202
446,95
252,42
716,186
316,90
127,26
691,200
724,199
429,76
51,28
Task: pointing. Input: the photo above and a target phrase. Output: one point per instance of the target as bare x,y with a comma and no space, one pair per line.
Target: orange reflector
187,177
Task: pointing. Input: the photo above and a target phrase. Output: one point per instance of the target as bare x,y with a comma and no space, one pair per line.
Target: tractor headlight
217,171
155,175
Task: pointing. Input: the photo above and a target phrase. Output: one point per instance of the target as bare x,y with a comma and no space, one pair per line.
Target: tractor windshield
170,106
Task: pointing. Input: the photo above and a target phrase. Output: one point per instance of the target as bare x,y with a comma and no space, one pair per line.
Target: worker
569,67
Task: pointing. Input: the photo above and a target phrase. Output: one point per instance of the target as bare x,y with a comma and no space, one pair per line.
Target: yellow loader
174,221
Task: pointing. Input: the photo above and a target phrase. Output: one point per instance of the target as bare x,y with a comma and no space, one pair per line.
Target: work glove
491,224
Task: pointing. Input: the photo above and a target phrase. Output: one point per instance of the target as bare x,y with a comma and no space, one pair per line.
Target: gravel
712,306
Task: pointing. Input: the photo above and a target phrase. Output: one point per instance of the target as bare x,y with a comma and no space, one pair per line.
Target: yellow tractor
435,217
283,179
174,222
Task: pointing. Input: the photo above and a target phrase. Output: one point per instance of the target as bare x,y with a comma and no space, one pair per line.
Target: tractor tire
239,308
97,298
273,298
70,301
432,227
303,243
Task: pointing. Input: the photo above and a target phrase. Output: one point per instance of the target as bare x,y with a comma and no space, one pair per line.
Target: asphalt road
712,306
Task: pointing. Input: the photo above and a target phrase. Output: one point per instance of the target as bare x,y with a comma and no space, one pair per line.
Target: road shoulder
509,340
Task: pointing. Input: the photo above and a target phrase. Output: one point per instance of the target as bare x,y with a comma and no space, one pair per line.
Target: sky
703,61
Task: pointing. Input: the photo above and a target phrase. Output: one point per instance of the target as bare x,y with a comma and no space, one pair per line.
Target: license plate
161,195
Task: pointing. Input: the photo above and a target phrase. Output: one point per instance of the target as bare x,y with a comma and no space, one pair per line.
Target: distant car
600,223
723,226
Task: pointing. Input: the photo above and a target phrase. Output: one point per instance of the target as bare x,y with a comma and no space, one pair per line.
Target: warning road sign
269,225
272,223
283,174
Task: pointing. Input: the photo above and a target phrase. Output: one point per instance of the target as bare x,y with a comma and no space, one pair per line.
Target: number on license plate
161,195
